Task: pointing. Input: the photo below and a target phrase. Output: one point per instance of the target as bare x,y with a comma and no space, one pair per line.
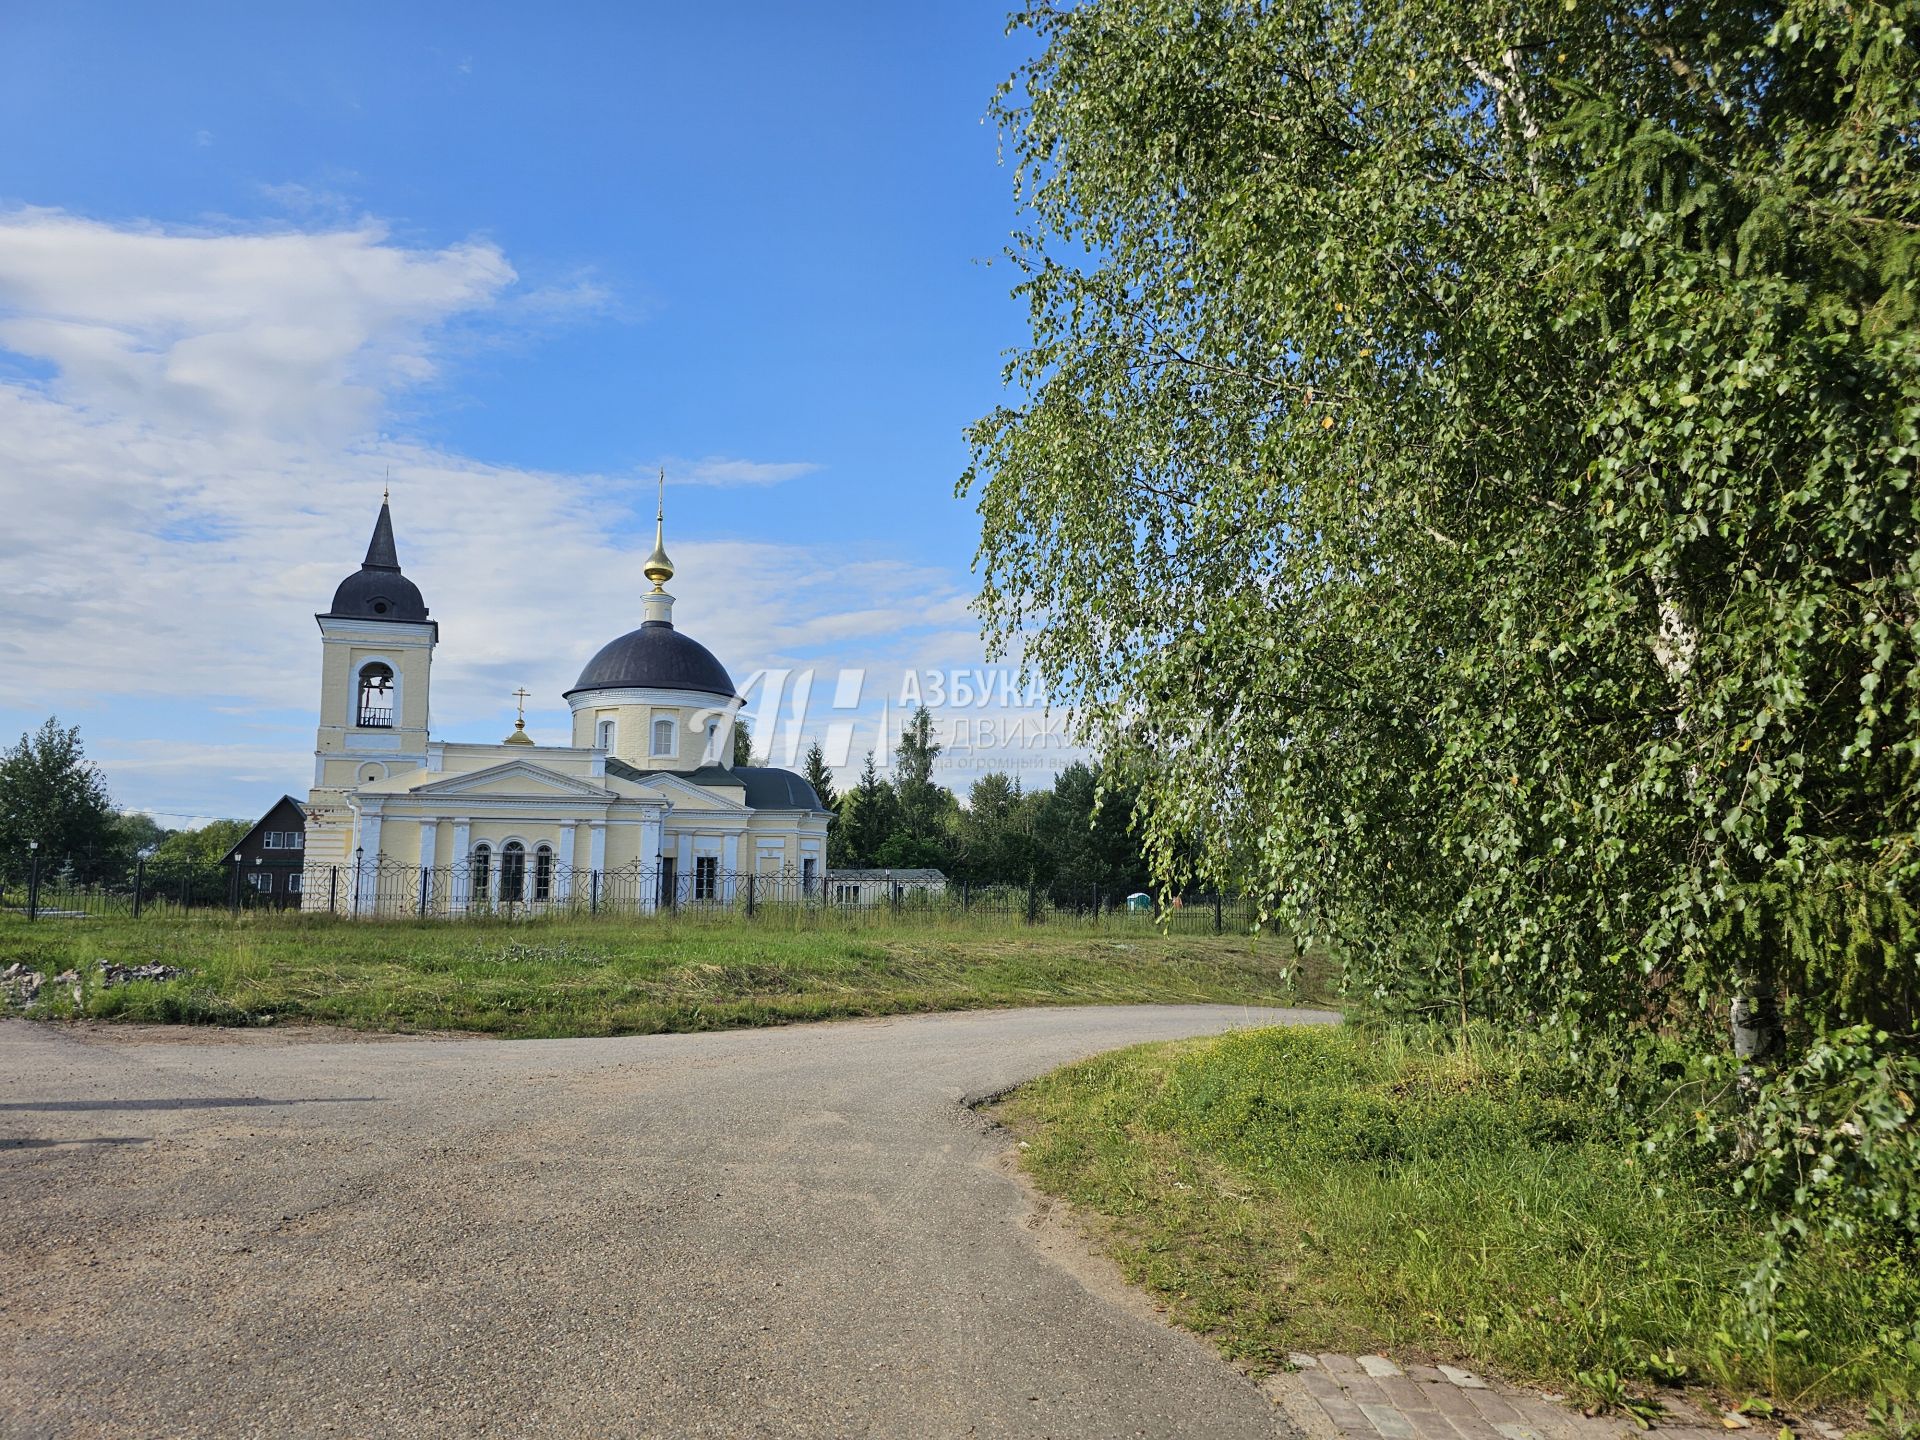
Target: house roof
710,776
766,787
260,824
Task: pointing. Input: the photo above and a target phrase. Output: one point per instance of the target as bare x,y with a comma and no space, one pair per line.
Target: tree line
1067,841
50,793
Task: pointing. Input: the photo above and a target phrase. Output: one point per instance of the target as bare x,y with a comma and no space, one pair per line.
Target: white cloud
201,468
286,333
719,470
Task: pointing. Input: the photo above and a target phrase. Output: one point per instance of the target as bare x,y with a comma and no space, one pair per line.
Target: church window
482,871
513,871
668,880
663,737
706,877
806,875
543,873
375,710
604,736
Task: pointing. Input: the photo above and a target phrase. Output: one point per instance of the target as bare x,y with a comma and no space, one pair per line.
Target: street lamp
33,879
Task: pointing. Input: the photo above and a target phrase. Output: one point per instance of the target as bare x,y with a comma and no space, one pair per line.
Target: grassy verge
608,977
1356,1190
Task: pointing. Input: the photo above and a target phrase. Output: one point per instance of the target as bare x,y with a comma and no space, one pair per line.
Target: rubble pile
111,974
20,985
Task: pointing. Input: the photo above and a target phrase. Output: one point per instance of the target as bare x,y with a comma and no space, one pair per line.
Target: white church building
645,808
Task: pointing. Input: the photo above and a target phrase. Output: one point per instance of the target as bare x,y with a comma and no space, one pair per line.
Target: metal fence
202,890
541,887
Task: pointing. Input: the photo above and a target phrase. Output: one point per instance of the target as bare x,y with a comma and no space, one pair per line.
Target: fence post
966,894
333,889
1216,913
423,890
1033,903
139,877
593,892
33,886
750,894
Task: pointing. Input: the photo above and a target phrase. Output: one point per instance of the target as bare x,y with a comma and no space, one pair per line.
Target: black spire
380,552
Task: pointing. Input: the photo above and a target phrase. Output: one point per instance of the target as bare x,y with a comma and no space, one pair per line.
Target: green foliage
1826,1147
1463,476
820,776
1341,1189
136,834
925,808
869,814
742,743
51,793
904,850
195,856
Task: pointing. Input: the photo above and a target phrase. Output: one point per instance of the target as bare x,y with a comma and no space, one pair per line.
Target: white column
649,861
729,863
597,846
366,839
429,847
461,890
563,882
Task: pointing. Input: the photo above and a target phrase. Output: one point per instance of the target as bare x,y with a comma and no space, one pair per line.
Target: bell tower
375,670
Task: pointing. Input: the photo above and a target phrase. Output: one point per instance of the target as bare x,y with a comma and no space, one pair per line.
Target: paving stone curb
1369,1397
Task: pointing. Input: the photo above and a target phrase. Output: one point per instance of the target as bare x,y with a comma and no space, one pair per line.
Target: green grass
1357,1189
562,977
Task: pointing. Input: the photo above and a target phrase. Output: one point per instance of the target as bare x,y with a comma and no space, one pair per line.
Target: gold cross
521,695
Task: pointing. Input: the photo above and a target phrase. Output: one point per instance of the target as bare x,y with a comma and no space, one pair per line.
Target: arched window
603,736
543,873
482,868
513,871
663,737
375,709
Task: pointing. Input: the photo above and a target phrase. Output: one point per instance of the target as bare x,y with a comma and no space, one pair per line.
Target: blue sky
252,257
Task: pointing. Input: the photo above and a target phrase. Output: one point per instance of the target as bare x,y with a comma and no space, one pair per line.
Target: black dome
655,657
377,590
373,594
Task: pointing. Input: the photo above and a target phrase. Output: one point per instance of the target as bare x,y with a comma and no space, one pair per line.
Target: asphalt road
793,1232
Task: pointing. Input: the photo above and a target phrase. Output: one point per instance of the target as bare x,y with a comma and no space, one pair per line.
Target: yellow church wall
341,659
399,841
633,732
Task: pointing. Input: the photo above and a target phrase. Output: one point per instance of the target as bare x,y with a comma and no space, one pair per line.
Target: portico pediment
520,778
